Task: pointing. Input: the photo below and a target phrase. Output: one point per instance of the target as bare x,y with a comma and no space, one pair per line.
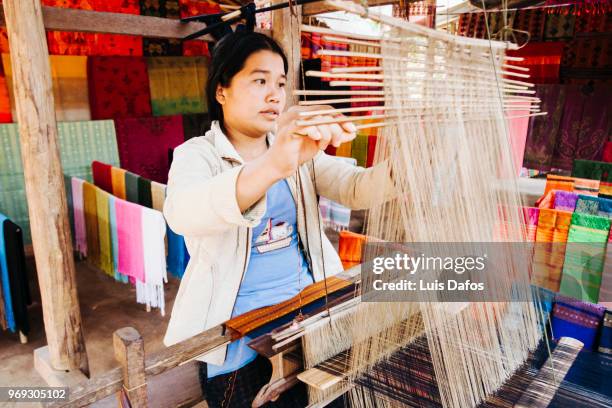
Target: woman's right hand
294,145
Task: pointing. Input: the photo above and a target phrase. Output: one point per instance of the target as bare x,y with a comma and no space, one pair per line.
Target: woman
232,194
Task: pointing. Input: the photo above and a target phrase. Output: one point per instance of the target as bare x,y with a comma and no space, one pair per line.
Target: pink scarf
129,236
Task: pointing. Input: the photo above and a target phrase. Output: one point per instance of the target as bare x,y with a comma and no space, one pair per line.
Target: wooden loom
283,344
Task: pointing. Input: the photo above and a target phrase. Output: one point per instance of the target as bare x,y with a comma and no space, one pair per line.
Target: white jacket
201,205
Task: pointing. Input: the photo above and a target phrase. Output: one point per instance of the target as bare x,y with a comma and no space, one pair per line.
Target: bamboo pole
44,184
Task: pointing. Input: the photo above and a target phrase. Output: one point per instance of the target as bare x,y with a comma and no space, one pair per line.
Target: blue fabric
277,270
178,257
6,285
605,340
576,319
115,240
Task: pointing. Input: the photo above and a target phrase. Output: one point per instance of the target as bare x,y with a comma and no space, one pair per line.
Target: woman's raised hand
295,144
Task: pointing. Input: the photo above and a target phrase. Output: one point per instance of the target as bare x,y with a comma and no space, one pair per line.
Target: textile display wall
568,51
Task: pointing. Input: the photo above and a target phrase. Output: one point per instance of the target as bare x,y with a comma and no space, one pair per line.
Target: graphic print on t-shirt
274,237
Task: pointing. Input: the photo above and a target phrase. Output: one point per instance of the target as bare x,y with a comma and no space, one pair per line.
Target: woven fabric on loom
80,143
118,87
69,79
579,320
144,142
585,257
177,85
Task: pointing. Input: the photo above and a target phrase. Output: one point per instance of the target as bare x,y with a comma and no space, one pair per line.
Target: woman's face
255,96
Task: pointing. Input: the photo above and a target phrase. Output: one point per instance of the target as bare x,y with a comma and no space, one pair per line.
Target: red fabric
371,150
331,150
543,60
118,6
144,144
76,4
118,87
5,102
118,45
607,153
102,176
4,44
189,8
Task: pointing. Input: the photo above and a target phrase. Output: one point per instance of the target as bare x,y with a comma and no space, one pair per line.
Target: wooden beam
65,19
109,383
44,184
129,352
312,9
286,31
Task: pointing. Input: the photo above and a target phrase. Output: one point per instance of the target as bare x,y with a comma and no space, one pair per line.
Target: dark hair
229,57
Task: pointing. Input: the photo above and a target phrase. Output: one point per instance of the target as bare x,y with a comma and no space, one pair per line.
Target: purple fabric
565,200
585,125
543,130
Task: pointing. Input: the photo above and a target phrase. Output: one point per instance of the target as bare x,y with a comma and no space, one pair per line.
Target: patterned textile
594,170
532,22
350,248
418,12
585,126
195,124
543,60
587,52
586,186
80,143
118,87
190,8
144,142
585,256
543,130
587,205
559,26
161,46
69,79
565,201
579,320
333,214
593,23
177,85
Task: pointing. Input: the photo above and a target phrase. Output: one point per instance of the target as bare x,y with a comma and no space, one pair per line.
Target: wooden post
129,352
286,31
44,184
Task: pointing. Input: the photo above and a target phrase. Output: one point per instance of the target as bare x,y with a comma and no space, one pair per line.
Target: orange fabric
551,236
350,247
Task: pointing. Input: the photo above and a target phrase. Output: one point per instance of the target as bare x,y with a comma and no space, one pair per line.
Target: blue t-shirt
277,270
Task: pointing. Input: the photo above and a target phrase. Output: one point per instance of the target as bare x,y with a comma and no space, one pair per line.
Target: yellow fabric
104,232
91,223
344,150
158,194
177,84
118,182
70,90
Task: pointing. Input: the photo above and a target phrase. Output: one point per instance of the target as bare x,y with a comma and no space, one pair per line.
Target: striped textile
585,256
80,143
